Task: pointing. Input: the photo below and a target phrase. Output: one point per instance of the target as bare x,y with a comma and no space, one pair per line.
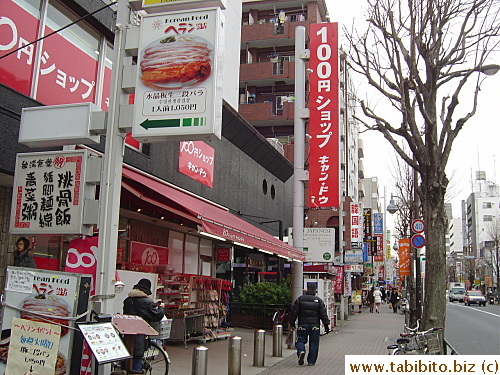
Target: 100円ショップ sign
178,94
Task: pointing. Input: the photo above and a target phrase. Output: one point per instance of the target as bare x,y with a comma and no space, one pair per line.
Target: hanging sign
178,93
49,193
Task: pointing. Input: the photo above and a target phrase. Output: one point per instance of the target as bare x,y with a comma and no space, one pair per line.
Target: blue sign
418,241
378,223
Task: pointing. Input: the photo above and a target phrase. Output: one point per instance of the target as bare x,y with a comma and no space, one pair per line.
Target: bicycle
155,360
280,316
415,342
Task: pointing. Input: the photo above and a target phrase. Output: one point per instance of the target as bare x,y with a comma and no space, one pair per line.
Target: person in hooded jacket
138,303
310,310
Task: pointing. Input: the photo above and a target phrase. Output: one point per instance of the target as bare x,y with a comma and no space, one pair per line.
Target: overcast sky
477,145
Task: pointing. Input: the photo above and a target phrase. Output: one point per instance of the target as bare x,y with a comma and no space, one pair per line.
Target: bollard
259,347
234,358
293,338
200,361
278,340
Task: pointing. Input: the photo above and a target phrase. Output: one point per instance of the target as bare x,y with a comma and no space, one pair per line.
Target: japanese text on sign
33,347
324,122
49,192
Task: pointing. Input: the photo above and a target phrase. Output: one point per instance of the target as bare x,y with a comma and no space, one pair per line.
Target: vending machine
322,275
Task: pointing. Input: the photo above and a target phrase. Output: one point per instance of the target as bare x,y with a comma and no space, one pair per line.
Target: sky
477,146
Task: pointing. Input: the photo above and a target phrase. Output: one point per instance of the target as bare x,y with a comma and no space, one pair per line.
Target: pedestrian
22,256
394,300
138,303
370,299
384,295
310,310
377,297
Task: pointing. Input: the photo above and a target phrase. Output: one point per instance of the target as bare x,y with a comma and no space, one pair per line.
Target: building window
487,205
487,217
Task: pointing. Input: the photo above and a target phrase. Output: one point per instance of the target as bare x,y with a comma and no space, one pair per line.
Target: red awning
217,220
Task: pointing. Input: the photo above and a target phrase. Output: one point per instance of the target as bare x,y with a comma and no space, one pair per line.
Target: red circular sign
417,226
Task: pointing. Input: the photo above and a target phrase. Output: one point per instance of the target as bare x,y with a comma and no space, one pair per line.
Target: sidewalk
365,333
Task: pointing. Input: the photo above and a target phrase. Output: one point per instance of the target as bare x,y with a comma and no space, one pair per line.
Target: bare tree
421,56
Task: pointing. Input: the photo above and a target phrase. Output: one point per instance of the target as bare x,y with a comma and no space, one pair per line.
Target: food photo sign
49,297
178,94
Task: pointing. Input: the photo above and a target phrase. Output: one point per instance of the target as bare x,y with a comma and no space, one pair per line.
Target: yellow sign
34,348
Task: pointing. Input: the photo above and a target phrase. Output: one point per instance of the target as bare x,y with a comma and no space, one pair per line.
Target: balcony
267,114
267,73
261,35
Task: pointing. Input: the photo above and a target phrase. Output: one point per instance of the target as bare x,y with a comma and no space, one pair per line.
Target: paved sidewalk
364,333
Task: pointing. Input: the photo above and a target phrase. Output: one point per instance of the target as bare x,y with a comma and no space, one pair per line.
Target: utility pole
299,176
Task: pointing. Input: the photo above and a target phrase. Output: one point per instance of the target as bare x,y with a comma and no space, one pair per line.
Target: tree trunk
436,224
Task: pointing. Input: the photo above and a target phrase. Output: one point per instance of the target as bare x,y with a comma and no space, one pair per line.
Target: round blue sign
418,241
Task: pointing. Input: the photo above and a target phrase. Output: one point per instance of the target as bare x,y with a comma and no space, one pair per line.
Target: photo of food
46,305
176,61
60,365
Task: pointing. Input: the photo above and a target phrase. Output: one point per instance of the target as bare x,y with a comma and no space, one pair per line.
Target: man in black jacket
138,303
310,309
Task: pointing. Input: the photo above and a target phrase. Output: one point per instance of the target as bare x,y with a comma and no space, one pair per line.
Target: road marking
473,308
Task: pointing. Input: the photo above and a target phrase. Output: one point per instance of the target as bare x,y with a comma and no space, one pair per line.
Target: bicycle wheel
398,352
155,360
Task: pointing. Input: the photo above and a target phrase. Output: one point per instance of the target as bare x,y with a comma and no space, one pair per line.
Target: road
473,329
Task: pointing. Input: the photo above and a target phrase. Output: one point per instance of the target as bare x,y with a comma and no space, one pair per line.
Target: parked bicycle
280,316
155,360
413,341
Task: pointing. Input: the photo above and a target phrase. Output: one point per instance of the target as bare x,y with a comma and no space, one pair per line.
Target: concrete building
251,179
482,213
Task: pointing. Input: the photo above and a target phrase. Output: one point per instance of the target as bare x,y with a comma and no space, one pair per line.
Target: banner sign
404,257
338,281
82,257
196,160
49,193
223,253
378,222
67,73
379,245
356,226
324,166
178,94
148,255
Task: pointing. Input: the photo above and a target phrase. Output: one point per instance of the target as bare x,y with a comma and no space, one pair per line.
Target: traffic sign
418,241
417,226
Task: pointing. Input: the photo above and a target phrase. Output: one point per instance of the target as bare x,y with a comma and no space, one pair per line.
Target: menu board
104,341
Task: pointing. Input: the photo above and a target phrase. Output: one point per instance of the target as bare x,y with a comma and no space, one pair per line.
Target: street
473,329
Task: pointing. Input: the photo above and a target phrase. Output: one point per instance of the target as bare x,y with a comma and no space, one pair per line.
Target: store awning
215,219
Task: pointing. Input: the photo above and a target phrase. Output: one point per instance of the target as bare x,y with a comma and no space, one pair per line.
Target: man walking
309,309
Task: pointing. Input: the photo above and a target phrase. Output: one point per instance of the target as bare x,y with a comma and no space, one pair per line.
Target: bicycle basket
432,341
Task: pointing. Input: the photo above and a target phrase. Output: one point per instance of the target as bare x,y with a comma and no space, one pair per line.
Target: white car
474,296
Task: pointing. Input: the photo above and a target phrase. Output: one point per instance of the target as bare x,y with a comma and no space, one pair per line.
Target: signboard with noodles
178,92
51,297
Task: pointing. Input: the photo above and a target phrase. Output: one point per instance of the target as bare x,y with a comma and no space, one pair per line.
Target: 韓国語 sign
49,193
33,348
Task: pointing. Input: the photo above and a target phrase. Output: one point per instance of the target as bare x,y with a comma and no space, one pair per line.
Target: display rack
187,325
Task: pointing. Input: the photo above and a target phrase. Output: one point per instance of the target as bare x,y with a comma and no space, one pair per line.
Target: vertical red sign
324,147
196,160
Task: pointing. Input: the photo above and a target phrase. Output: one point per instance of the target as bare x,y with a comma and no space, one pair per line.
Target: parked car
474,296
